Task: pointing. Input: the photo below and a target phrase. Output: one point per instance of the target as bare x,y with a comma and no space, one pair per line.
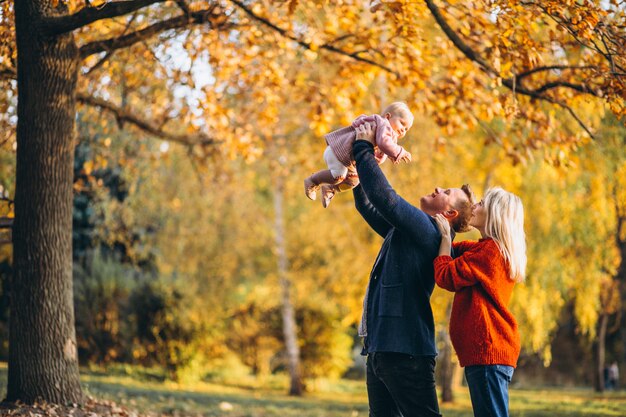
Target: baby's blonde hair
397,107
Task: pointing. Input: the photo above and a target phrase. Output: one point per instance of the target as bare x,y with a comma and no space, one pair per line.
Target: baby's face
400,122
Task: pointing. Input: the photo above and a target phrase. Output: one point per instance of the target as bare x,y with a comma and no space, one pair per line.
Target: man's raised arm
369,212
384,199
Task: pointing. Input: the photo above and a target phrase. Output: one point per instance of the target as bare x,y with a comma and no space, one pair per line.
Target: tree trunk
446,368
621,273
43,362
445,364
600,353
289,318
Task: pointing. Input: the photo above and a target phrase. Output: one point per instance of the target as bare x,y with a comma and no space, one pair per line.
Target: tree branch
532,71
8,73
109,54
307,45
202,16
111,44
575,116
565,24
609,52
183,6
58,25
555,84
456,39
509,83
6,223
147,126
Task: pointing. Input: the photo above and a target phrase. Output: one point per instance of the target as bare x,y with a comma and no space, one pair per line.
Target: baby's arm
380,156
386,142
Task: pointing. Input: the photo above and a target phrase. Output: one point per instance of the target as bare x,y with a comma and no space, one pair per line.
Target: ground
130,395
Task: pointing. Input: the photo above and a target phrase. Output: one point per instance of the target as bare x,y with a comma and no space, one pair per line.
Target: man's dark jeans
401,385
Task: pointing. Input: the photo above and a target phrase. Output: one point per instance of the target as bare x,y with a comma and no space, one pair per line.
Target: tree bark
621,270
445,364
446,368
43,362
288,315
600,353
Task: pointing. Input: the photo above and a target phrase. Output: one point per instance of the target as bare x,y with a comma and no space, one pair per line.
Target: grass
250,397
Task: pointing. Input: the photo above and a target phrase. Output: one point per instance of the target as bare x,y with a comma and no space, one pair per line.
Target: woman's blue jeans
489,389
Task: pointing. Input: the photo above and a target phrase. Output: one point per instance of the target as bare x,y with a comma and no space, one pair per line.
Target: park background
200,270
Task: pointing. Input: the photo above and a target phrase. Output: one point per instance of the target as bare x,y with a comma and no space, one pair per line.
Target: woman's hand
366,132
445,247
443,225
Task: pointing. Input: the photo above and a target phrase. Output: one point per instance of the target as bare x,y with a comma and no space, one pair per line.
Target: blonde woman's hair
398,107
505,225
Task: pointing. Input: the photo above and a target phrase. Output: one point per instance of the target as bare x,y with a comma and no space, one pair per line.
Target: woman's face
479,215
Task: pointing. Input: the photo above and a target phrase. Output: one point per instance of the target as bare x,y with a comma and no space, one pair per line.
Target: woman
483,331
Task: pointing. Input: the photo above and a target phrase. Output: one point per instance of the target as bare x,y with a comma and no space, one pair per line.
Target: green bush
124,316
256,335
101,295
325,344
168,330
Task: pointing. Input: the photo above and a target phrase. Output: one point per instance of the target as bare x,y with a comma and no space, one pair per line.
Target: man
397,323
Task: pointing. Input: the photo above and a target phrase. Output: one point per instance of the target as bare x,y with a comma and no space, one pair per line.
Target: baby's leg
324,177
313,182
334,175
329,191
337,168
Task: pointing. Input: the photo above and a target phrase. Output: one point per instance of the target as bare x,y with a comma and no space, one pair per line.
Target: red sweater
482,329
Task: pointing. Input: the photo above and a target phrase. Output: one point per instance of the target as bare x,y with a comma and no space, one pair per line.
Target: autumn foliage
190,111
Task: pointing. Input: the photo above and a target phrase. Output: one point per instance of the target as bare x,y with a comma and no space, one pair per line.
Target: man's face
440,200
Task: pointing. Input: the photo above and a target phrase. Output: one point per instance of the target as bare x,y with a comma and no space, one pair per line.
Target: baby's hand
406,157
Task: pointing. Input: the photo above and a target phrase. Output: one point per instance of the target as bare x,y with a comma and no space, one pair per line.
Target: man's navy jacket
399,317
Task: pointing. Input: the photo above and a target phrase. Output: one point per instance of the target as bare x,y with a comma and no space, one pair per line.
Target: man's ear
450,214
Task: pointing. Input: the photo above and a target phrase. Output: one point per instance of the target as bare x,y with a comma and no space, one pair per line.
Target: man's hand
366,132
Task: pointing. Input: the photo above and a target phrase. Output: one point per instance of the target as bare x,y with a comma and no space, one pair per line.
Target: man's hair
460,223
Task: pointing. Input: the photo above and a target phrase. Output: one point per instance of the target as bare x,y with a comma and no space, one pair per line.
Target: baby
341,174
